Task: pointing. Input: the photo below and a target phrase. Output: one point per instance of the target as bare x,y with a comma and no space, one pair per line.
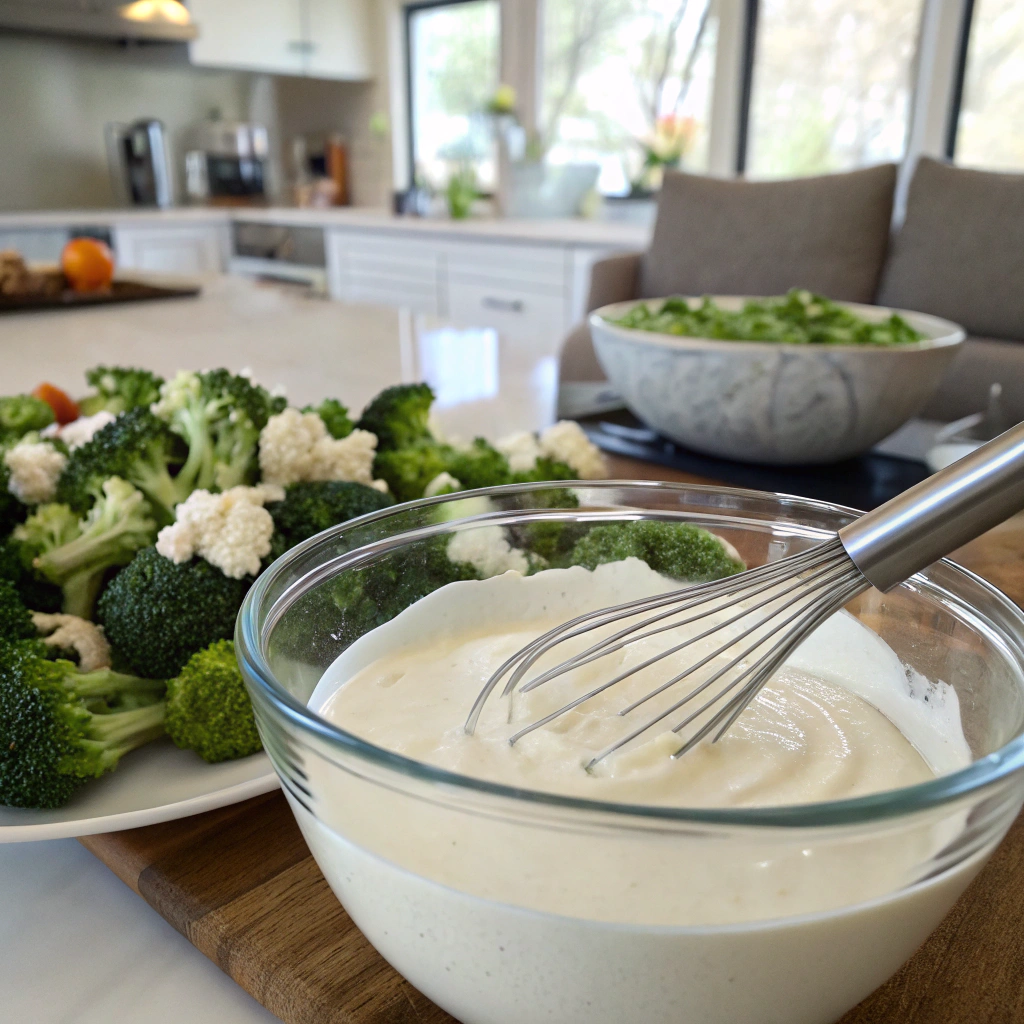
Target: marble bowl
774,403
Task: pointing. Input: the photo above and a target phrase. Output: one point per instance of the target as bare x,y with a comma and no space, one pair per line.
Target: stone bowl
771,402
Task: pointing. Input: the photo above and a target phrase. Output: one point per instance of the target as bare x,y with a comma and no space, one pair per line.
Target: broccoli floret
310,507
398,416
75,553
335,417
220,416
679,550
139,448
208,709
409,470
480,465
120,389
323,622
15,618
157,613
545,469
22,414
36,593
60,727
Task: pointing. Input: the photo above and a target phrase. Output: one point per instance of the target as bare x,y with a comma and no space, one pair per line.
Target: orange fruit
88,264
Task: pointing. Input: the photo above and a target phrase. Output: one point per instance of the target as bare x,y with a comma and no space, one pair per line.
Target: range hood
156,20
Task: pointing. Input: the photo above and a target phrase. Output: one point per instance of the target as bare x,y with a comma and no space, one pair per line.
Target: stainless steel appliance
278,252
228,166
140,163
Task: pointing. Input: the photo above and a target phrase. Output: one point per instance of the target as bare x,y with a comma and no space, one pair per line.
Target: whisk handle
939,514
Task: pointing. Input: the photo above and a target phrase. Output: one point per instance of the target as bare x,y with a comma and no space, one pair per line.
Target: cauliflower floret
35,468
566,442
522,451
231,530
443,483
296,446
488,551
80,431
80,635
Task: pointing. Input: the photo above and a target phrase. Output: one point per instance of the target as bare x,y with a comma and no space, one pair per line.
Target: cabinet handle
301,46
503,305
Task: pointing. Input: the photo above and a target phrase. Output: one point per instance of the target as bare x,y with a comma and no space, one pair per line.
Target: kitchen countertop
574,232
76,945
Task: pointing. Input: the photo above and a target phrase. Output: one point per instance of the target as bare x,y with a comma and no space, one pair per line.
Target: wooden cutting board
241,886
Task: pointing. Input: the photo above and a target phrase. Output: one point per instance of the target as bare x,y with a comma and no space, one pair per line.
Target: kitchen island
76,945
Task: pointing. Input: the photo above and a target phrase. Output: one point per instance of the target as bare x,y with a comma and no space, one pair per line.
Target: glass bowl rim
944,789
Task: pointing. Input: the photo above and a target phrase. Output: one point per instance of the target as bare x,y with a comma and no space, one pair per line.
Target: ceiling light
156,11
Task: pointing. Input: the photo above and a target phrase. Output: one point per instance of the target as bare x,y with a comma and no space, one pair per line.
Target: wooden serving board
241,886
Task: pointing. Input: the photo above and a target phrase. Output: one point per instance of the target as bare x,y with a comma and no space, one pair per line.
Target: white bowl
771,402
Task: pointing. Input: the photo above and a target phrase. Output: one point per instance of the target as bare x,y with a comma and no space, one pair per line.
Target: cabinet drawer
515,312
536,268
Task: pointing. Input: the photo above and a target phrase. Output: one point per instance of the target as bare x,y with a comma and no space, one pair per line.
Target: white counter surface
564,232
76,945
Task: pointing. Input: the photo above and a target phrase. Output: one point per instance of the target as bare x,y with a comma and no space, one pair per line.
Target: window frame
956,99
409,11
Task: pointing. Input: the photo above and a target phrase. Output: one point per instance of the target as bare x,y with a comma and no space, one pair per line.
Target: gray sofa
958,254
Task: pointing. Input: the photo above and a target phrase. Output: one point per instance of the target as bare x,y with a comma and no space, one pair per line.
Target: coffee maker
140,165
228,166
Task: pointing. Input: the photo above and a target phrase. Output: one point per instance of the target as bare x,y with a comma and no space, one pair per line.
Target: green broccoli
335,417
12,511
220,416
15,618
120,389
679,550
36,592
22,414
324,621
60,727
157,613
408,470
139,448
75,553
208,709
398,416
310,507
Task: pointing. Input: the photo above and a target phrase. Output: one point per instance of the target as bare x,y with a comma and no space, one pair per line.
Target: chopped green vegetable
22,414
335,417
139,448
398,416
208,709
120,389
75,553
60,727
798,318
37,593
15,618
310,507
157,613
679,550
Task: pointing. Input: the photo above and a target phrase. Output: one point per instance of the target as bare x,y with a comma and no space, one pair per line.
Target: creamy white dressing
842,718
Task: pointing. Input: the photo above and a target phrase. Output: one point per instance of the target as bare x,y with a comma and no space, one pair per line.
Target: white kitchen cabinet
171,249
321,38
339,39
386,270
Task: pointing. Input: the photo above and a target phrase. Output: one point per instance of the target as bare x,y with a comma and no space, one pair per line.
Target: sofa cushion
980,363
960,251
714,236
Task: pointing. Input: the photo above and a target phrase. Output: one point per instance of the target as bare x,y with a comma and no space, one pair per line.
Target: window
453,62
832,83
992,110
619,74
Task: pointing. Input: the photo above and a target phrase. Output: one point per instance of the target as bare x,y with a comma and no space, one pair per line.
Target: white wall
56,95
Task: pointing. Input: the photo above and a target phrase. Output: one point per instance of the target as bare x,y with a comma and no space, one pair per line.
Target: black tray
119,291
861,483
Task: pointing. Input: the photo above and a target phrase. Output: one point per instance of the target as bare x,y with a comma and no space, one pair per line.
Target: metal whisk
762,615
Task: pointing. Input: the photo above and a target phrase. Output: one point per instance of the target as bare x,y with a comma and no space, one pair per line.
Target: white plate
154,784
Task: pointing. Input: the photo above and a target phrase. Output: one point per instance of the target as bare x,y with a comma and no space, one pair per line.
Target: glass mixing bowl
499,903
